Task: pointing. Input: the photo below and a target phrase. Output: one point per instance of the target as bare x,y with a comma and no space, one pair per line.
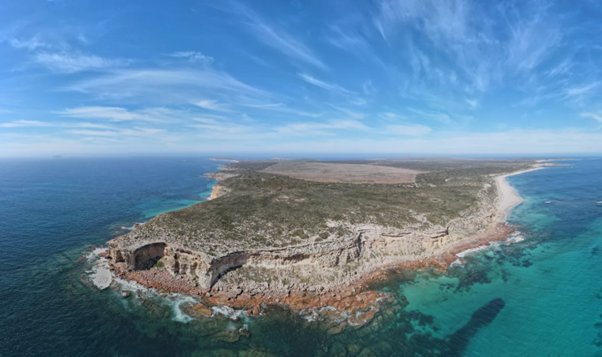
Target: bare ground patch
350,173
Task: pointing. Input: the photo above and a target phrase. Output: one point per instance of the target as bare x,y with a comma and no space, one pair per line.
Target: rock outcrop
264,233
327,263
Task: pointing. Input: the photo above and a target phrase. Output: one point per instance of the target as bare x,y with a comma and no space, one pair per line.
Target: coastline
355,303
508,197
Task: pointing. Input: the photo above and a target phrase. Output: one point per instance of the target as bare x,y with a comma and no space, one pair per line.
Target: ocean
538,296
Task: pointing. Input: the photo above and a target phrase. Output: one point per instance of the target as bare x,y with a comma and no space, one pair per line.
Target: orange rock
202,309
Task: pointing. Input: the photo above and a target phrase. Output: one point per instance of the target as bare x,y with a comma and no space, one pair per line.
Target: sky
374,77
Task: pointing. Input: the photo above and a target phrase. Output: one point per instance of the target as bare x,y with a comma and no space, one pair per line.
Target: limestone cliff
328,262
263,231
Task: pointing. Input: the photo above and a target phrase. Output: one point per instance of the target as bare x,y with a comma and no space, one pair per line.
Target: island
312,235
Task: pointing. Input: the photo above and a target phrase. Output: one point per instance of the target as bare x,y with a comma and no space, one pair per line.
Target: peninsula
309,233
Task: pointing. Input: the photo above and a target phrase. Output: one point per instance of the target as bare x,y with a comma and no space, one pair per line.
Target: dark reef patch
459,340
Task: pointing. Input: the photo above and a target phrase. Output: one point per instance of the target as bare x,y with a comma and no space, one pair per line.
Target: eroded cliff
277,233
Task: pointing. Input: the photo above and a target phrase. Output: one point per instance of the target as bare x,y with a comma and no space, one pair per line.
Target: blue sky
82,77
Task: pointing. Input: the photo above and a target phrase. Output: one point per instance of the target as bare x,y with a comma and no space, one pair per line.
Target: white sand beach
508,197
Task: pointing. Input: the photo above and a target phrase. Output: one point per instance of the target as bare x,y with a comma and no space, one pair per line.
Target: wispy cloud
580,91
31,43
440,20
92,132
37,124
212,105
532,42
65,62
206,120
354,41
407,130
283,108
316,128
461,50
194,57
24,123
177,86
432,115
368,88
472,102
136,131
421,74
277,38
105,113
349,113
595,116
335,88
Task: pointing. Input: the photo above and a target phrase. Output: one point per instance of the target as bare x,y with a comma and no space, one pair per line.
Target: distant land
310,235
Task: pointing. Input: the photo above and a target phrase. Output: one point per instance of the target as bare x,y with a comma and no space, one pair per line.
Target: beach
508,197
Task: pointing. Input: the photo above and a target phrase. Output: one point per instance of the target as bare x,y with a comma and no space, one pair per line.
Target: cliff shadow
147,256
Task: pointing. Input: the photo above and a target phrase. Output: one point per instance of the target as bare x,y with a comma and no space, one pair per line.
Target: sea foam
101,276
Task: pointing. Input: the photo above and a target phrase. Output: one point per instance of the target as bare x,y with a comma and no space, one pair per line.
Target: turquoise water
538,297
549,283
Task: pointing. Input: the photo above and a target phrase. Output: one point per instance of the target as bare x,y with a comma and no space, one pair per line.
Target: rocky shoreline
352,305
347,299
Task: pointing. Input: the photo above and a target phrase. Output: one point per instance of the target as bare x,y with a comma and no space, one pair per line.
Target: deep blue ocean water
538,297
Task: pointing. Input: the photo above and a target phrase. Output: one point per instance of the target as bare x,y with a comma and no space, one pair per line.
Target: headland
311,235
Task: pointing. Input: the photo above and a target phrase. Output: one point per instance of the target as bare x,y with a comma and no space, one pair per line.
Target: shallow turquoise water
549,283
539,297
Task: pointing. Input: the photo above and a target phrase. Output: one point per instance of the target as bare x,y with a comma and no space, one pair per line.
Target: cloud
408,130
335,88
368,88
212,105
86,125
432,115
354,41
31,43
231,131
315,128
283,108
24,123
92,132
176,86
194,57
595,116
105,113
206,120
350,113
73,62
581,90
440,20
228,131
532,42
473,103
136,131
277,38
512,142
457,49
389,115
36,124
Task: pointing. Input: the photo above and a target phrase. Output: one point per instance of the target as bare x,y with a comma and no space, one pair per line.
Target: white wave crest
101,276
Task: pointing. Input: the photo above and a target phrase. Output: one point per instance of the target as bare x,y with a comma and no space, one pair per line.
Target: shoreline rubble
353,303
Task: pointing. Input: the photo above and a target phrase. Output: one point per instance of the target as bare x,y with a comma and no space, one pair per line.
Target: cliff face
328,262
205,271
264,230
